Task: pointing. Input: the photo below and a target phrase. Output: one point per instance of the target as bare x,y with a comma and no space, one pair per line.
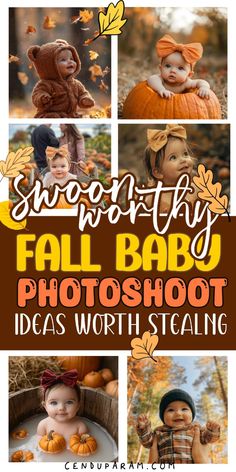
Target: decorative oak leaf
49,23
7,220
15,162
210,192
112,22
144,347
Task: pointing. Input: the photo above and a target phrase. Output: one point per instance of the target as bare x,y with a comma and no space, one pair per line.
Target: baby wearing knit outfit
175,436
58,94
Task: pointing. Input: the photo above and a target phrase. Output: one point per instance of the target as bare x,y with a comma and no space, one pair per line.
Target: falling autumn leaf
84,17
13,58
30,29
49,23
106,71
23,77
96,71
15,162
144,347
210,192
93,55
112,22
7,220
103,86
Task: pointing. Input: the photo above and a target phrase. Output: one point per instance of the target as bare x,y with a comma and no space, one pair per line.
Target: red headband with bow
49,378
191,52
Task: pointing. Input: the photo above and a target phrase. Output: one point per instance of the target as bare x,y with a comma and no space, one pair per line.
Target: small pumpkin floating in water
52,443
22,456
143,102
19,434
83,444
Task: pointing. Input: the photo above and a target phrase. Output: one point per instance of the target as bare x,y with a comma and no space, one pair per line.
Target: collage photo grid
85,107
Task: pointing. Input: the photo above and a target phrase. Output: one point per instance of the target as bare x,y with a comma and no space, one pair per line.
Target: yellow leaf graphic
111,22
6,219
144,347
15,162
210,192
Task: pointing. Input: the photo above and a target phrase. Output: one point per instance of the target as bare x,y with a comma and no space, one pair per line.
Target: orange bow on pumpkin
157,138
191,52
61,151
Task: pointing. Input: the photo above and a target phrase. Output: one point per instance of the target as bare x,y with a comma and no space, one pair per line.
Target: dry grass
25,371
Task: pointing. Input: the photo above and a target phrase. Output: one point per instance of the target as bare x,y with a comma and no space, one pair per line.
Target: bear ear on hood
62,41
33,52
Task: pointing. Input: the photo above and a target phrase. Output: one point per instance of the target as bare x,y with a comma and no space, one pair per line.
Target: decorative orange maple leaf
144,347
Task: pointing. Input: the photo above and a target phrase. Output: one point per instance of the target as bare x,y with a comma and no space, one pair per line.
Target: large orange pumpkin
144,102
83,444
84,364
52,443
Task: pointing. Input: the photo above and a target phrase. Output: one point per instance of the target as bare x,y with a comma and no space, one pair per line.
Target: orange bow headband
157,138
191,52
62,151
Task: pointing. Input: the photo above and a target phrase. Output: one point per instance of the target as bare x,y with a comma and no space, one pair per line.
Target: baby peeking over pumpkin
58,94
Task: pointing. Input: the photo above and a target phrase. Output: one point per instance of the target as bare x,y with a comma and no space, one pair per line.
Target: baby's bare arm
42,427
81,427
155,82
202,85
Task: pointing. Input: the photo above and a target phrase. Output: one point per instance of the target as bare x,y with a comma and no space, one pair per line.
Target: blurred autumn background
78,26
145,26
209,143
204,378
97,139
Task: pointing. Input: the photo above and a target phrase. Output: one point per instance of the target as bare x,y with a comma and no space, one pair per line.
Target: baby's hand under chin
204,92
166,93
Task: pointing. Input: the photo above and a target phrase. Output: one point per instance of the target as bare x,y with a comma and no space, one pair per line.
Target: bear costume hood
44,59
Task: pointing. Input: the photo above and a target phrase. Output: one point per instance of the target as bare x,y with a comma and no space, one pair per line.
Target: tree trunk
222,388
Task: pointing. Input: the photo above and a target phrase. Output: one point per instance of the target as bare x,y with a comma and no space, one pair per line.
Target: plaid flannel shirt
175,445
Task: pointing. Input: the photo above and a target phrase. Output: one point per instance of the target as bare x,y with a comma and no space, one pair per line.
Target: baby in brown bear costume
58,94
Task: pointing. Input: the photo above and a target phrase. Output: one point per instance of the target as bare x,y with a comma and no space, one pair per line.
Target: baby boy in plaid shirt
175,436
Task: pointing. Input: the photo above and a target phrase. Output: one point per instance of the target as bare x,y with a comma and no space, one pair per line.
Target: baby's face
174,69
176,162
178,414
65,63
59,167
62,403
